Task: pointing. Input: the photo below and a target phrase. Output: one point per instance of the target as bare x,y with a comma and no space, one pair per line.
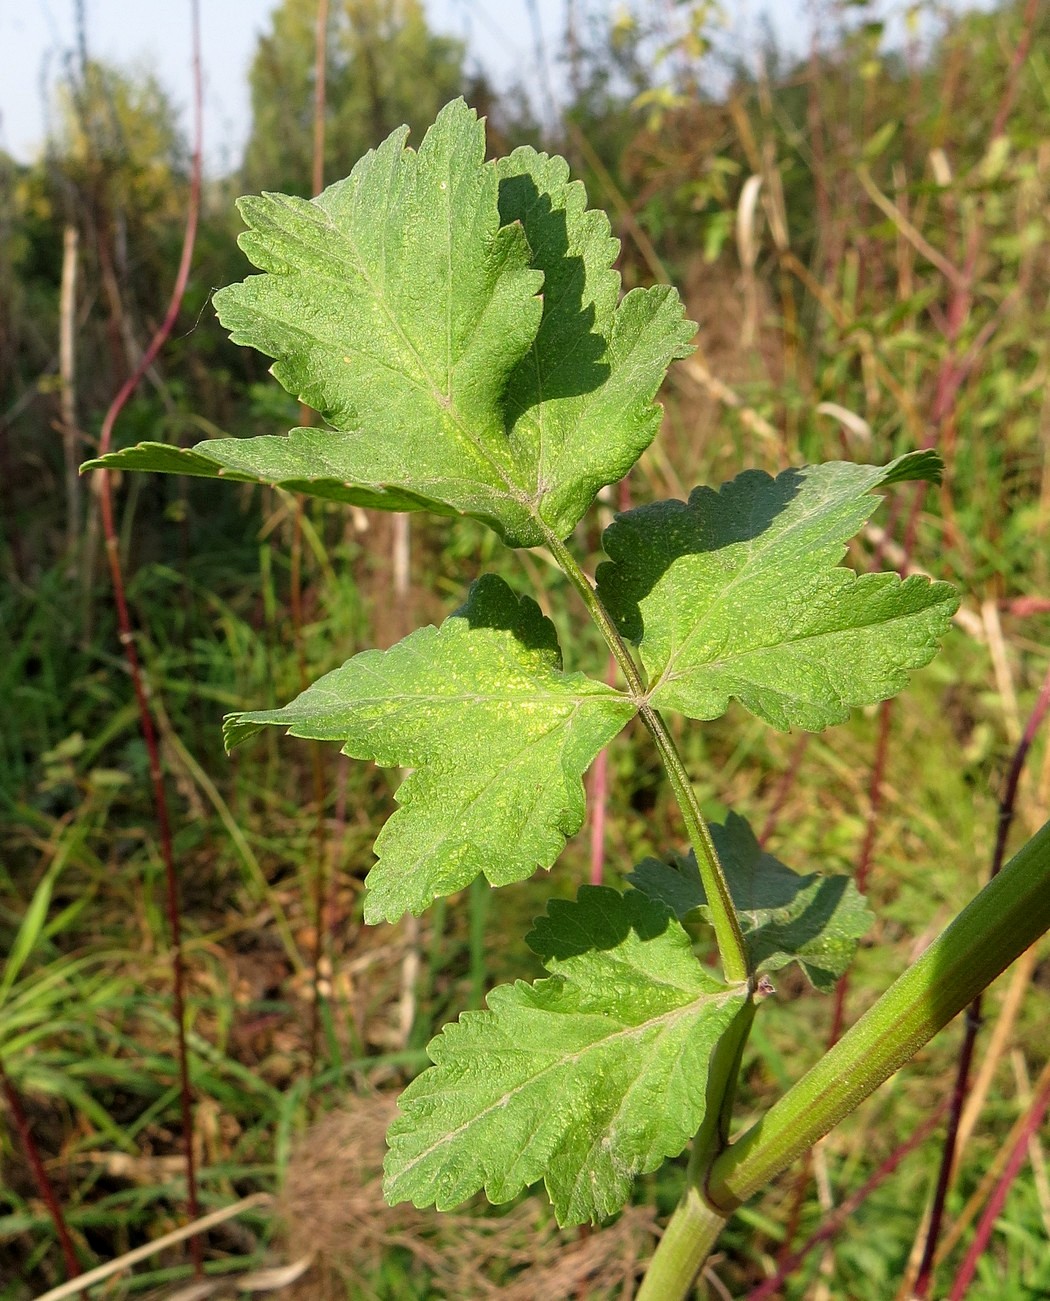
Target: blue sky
37,35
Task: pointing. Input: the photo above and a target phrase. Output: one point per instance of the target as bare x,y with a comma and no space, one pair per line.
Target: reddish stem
598,795
784,786
1007,805
834,1222
36,1164
1024,44
992,1211
955,369
1025,606
320,86
127,641
317,767
838,1014
599,798
864,858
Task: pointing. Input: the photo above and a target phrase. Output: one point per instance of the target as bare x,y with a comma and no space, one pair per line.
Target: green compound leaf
498,735
579,404
813,920
403,304
586,1079
735,593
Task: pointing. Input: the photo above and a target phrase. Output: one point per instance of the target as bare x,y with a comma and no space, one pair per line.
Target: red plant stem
995,1205
1025,606
787,780
838,1014
319,786
1013,77
794,1214
599,799
815,124
882,747
598,795
834,1222
954,369
36,1164
316,764
944,1174
864,857
1007,805
127,641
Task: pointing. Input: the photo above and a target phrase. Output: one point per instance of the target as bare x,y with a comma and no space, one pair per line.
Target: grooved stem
1006,918
688,1239
995,928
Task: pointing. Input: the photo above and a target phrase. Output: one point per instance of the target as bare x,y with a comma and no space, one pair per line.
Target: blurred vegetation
861,233
384,68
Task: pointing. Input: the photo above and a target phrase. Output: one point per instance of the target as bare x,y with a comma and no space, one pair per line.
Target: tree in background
384,67
116,168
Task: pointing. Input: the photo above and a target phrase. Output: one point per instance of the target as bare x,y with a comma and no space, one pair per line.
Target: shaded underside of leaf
498,736
814,920
585,1079
306,460
736,593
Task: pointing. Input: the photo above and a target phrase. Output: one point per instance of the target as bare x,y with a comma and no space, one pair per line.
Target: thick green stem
1007,917
694,1228
687,1241
722,913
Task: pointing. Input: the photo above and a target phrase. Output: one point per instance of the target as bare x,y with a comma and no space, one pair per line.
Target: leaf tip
918,465
237,728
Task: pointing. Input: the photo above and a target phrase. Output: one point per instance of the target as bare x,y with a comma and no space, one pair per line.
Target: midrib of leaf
566,721
441,398
624,1035
384,695
755,554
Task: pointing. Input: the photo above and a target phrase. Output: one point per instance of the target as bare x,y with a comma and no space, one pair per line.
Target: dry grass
332,1205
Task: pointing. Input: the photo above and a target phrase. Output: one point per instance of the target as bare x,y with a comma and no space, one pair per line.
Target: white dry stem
74,1286
1004,678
